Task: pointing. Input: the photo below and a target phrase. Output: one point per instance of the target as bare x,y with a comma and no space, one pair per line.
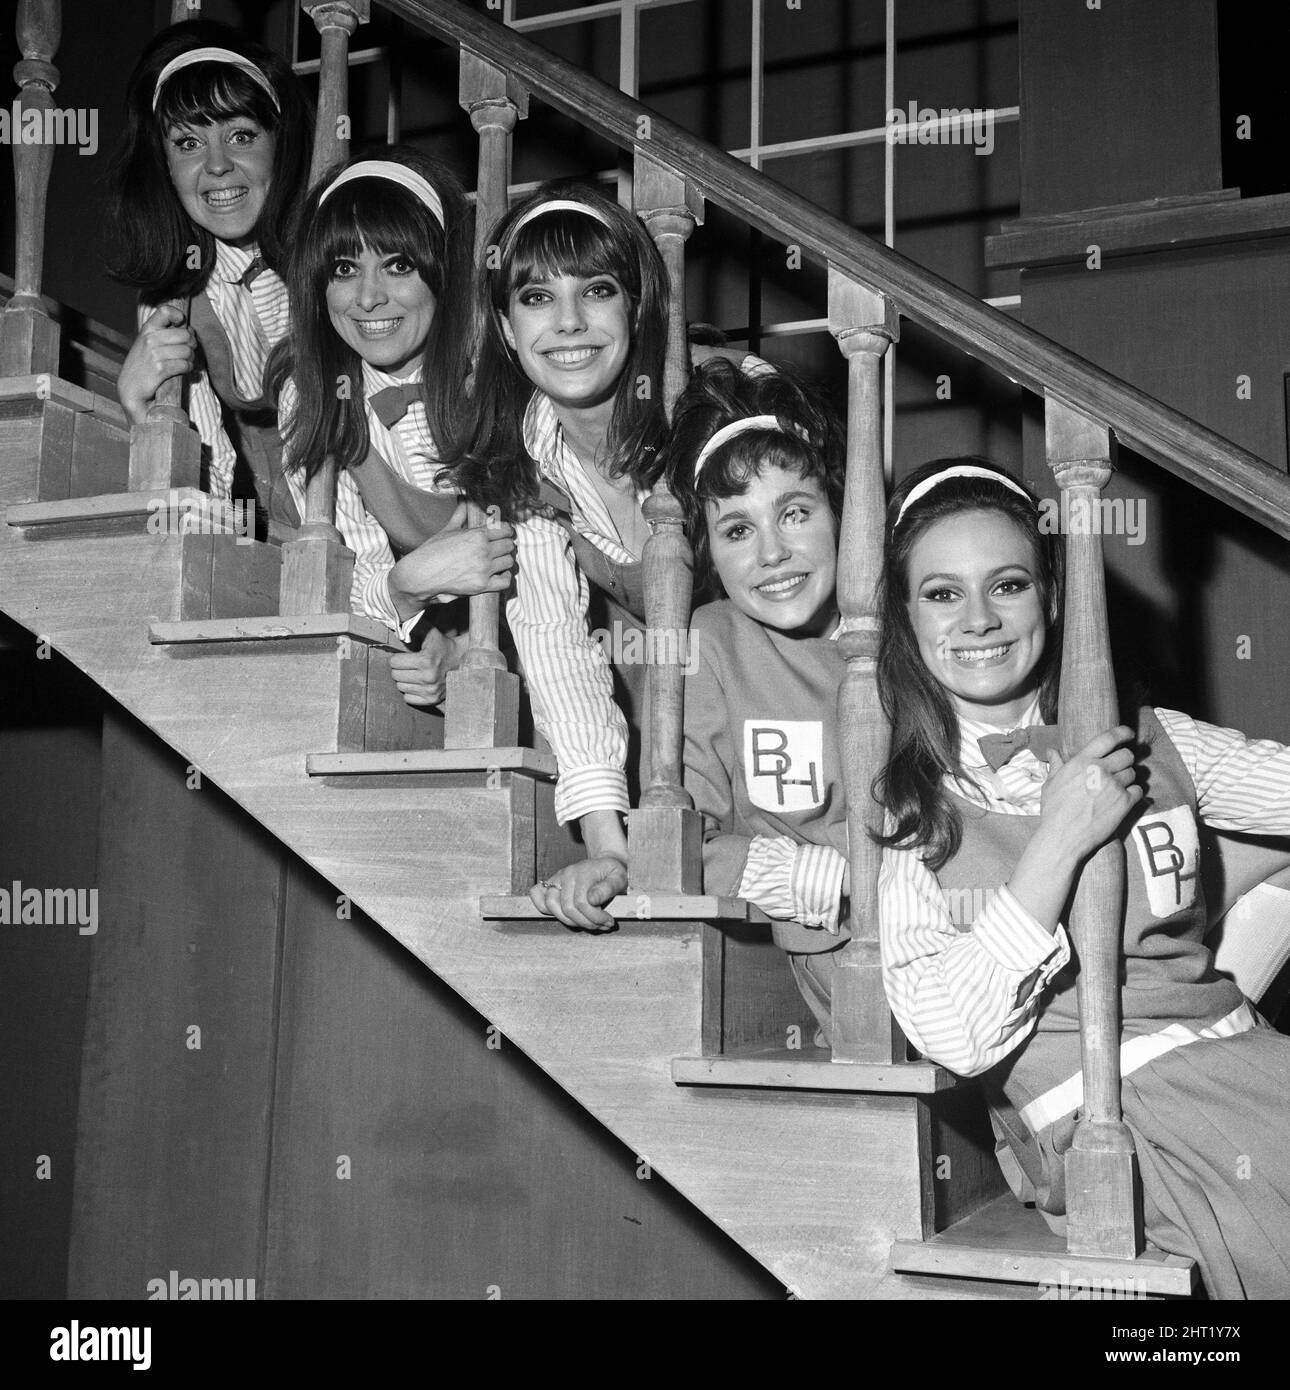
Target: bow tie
248,276
1042,740
391,403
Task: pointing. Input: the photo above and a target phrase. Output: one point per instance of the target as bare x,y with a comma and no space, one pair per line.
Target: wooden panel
391,723
556,845
411,1160
961,1167
100,457
36,449
757,1004
244,578
1144,129
49,786
188,939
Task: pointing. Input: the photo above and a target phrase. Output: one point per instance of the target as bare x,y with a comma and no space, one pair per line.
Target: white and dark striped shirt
409,450
568,674
968,999
255,321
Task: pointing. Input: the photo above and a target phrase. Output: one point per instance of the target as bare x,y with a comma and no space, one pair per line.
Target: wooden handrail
1165,436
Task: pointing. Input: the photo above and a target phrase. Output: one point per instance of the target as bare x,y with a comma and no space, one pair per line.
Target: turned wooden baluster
166,451
1103,1198
865,323
665,835
28,336
483,705
318,568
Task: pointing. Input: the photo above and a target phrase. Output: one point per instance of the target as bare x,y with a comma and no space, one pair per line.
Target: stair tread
275,627
531,760
1008,1241
672,907
47,387
199,511
811,1069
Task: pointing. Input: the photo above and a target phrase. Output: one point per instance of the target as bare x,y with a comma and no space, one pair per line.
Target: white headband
395,173
963,470
560,205
736,427
213,55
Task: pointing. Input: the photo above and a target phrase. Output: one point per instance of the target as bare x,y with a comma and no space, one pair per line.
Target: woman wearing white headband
759,464
218,136
989,821
379,278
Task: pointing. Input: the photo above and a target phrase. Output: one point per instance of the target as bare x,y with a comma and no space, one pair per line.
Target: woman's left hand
422,677
577,894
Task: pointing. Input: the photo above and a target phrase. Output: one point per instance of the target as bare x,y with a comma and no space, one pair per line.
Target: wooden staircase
672,1031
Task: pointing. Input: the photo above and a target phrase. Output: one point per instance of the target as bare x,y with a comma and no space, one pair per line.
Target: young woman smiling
218,135
989,821
380,310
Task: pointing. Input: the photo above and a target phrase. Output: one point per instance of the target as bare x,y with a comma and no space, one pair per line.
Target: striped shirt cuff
1016,941
794,882
585,789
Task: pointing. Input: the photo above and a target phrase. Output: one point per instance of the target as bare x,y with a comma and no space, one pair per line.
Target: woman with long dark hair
373,377
216,148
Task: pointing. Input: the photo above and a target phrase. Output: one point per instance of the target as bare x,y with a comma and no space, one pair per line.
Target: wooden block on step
36,438
1103,1203
389,722
245,577
164,454
482,709
195,577
863,1028
100,457
665,850
28,341
316,576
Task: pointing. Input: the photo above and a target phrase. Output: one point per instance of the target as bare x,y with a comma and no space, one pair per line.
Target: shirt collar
375,380
543,436
231,261
971,730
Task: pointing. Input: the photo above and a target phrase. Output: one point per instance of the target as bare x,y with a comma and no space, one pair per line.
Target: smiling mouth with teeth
376,328
776,587
571,357
224,197
974,656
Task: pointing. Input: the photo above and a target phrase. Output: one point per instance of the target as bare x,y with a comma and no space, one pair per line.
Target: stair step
663,907
433,760
179,511
811,1069
274,628
47,387
1012,1243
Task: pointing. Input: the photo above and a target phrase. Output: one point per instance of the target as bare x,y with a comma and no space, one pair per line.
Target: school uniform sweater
763,765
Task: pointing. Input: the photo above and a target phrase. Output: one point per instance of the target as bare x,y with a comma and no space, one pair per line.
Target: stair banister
1102,1195
483,704
865,324
1168,438
664,834
317,567
28,336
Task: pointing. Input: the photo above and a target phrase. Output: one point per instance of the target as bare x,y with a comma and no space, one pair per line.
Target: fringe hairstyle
494,467
388,219
150,232
719,394
924,726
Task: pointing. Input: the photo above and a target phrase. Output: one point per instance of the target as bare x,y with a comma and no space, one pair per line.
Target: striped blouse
568,673
255,321
968,999
410,452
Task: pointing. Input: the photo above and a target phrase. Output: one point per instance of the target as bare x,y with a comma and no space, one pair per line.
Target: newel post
483,704
317,567
865,323
28,336
1103,1197
665,834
